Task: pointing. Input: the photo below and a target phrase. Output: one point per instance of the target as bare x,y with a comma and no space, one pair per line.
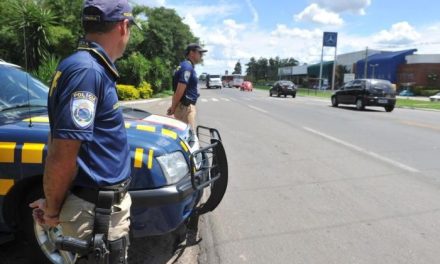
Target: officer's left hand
40,216
171,111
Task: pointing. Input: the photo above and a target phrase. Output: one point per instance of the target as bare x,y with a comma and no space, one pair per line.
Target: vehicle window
18,87
286,83
381,86
214,76
348,85
357,84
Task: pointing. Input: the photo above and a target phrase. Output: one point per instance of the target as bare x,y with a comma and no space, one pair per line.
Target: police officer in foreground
185,81
87,167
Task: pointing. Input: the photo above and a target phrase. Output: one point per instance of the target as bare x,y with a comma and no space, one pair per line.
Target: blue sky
238,30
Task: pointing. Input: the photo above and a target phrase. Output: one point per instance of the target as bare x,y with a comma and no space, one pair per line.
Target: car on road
283,87
406,92
213,81
171,167
366,92
246,86
435,97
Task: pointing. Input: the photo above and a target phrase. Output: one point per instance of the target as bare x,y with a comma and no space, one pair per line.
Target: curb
415,108
141,101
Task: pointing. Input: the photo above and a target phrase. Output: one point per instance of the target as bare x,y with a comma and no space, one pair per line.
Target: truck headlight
174,166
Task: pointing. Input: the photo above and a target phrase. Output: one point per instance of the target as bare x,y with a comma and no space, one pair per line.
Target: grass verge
411,103
165,93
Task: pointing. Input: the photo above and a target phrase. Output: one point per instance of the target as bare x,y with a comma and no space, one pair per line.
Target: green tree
251,70
133,70
237,68
31,22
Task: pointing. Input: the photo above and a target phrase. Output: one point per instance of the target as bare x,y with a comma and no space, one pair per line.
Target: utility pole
366,63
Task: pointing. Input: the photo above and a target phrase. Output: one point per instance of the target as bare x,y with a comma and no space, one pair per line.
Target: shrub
127,92
47,69
428,92
145,90
133,69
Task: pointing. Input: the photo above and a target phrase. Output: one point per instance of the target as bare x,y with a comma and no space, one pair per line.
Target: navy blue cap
194,47
109,11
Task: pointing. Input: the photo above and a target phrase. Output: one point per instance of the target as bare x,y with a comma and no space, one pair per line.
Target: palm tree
31,22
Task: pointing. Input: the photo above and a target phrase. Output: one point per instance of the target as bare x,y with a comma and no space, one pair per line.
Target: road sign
330,39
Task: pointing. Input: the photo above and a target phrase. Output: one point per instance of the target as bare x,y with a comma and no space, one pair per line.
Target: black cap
194,47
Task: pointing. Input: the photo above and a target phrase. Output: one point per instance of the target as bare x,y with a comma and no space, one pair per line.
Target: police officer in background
88,162
185,81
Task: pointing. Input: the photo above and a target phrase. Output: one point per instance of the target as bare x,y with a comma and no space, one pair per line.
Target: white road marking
204,100
225,99
258,109
364,151
214,99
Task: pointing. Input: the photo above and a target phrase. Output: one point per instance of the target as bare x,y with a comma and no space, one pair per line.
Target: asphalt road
310,183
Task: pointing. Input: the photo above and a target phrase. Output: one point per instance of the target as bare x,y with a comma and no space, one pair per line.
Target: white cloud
151,3
206,11
283,31
316,14
338,6
253,10
400,33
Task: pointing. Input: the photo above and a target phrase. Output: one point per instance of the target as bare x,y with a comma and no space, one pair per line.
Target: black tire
334,101
26,225
389,108
278,94
360,104
285,95
270,94
294,95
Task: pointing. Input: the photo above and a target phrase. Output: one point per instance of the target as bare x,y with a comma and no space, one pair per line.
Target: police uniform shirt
83,105
187,75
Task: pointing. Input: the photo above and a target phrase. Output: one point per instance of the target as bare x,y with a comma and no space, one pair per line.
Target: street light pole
373,66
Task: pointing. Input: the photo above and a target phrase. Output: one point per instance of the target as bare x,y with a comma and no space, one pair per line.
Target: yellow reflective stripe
184,146
32,153
138,157
103,59
127,125
150,159
7,150
54,82
146,128
5,185
169,133
38,119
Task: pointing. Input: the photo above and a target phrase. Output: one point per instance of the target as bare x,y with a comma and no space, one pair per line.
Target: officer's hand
40,216
171,111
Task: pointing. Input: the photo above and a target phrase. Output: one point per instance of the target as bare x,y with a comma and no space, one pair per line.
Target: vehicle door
341,94
355,91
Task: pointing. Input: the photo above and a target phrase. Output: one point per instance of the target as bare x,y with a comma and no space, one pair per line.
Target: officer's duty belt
91,194
186,102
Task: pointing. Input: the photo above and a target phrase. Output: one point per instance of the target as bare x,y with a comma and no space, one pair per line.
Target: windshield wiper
22,106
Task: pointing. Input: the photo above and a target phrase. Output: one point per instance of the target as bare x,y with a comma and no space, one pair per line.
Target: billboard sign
330,39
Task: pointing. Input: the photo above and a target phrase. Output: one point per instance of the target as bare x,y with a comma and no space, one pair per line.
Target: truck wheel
359,104
389,108
334,101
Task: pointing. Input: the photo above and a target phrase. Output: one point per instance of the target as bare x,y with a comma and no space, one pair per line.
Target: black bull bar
213,170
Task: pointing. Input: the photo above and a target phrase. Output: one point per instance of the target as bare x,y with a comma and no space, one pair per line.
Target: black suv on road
366,92
283,88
